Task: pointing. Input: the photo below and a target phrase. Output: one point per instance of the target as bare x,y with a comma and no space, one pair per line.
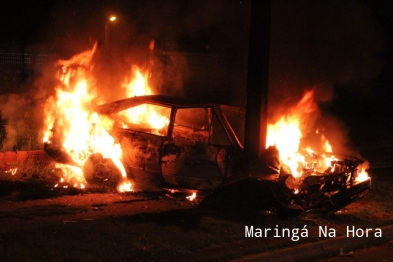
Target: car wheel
101,171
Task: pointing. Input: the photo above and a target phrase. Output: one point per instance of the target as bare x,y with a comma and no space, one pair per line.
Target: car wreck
181,144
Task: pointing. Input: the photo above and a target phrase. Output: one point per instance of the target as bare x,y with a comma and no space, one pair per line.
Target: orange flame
326,145
286,133
142,114
71,119
125,187
362,176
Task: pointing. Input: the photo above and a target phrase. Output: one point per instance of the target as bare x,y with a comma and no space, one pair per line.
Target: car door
188,159
141,139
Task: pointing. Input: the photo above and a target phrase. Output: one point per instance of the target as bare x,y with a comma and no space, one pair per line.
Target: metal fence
23,59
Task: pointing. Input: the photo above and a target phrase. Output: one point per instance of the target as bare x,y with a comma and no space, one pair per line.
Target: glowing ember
12,171
171,190
125,187
192,197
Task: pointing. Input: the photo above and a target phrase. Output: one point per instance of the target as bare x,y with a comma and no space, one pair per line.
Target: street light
110,20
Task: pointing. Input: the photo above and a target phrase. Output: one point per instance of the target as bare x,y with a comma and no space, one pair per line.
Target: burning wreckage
149,140
178,144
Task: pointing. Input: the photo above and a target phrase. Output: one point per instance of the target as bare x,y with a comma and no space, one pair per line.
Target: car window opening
147,118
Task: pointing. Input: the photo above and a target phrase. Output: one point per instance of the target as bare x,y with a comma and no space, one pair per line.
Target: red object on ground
15,159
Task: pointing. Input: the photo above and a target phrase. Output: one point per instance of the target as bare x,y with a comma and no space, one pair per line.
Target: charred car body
194,146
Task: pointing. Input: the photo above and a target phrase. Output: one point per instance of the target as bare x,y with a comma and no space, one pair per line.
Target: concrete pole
257,79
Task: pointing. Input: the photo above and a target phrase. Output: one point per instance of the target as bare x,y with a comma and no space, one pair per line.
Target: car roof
163,100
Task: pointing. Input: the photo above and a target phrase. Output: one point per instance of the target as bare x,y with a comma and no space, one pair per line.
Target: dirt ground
35,216
382,253
82,207
43,223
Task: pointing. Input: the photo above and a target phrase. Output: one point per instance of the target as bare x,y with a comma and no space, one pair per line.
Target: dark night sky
176,24
344,49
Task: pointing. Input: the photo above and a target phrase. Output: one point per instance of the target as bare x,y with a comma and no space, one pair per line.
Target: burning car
146,139
171,142
166,140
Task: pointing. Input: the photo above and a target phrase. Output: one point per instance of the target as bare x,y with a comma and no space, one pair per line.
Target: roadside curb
320,249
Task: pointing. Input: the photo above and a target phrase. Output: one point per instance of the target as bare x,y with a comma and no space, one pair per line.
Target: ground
43,223
370,254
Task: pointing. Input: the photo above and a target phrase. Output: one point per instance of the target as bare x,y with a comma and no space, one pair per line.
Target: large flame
142,114
286,135
72,122
138,85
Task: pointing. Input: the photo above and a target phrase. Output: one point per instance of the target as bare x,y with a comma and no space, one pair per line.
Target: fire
138,84
12,170
362,176
125,187
192,196
143,114
71,120
326,145
329,162
72,174
286,135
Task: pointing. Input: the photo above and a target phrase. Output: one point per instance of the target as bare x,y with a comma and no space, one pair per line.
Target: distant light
112,18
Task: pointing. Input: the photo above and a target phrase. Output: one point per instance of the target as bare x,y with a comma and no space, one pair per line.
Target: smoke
22,115
314,45
76,26
22,112
322,45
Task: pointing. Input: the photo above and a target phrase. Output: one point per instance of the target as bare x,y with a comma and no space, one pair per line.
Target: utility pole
257,79
111,19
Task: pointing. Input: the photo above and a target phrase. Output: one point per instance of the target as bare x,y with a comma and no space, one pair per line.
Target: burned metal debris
333,188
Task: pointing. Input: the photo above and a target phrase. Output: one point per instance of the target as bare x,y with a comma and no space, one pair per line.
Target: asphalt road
370,254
